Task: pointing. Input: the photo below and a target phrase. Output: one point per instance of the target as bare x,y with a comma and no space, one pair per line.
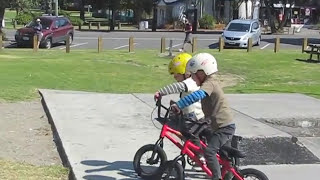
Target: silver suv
239,31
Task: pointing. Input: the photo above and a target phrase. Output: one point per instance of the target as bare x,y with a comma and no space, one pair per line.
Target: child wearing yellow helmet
185,85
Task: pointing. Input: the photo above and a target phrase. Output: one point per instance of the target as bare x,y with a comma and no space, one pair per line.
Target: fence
164,49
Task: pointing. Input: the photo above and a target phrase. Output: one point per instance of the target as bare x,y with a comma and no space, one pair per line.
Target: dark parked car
55,29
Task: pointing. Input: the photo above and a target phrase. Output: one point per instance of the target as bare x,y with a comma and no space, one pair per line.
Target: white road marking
75,45
175,45
124,46
265,46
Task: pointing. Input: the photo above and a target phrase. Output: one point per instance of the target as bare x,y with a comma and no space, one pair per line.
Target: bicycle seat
233,152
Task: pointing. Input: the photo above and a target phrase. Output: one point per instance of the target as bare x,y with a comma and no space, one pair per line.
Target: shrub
25,17
76,21
207,22
65,14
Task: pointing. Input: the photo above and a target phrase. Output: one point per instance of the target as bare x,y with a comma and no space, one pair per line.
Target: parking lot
152,40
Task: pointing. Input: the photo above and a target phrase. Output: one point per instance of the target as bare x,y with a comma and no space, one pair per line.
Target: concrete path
98,134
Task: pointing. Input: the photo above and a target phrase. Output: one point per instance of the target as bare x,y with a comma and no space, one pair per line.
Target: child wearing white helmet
185,85
203,67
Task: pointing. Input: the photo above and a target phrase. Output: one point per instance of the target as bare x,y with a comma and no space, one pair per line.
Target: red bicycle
157,166
227,158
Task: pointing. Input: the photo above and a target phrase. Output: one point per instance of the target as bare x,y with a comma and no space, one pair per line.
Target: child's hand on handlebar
175,109
157,96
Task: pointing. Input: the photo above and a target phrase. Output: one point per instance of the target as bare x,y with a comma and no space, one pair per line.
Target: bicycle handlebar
159,104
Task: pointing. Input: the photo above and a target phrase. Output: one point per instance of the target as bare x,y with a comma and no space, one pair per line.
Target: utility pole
155,15
56,6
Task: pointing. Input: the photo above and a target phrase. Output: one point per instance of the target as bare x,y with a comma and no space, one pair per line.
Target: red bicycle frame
191,149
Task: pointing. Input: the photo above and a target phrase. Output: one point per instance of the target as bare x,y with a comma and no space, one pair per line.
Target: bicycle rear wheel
171,171
251,174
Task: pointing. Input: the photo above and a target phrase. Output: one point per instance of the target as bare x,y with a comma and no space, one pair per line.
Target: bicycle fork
152,159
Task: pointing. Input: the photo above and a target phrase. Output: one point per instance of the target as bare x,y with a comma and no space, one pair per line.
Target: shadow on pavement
124,168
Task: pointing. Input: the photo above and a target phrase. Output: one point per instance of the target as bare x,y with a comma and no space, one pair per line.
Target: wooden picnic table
315,49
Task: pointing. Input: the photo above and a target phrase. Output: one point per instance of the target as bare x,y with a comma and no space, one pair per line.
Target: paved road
151,40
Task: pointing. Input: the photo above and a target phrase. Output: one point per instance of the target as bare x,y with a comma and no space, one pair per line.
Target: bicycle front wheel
146,166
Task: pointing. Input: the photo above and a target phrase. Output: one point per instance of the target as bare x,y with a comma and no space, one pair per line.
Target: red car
55,29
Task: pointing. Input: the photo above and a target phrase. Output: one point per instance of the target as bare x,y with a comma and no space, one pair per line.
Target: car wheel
47,44
70,39
19,45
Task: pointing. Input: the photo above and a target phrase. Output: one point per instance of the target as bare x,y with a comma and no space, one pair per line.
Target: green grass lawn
15,170
22,72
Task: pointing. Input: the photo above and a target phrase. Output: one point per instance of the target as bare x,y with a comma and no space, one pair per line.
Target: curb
57,139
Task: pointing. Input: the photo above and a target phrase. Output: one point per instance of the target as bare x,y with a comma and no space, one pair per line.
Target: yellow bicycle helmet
178,64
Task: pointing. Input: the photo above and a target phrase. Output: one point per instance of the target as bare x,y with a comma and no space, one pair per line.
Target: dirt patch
26,134
228,80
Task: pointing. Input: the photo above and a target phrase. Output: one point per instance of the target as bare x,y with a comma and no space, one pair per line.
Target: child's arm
191,98
173,88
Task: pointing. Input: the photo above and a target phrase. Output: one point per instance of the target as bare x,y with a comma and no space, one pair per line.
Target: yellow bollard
277,45
221,44
163,45
35,43
249,47
68,45
100,44
304,45
131,44
194,44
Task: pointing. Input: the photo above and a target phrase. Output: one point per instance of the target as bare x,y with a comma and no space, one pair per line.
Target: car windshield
239,27
45,24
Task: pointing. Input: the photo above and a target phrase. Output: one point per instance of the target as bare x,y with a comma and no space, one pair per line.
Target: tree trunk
214,10
2,9
226,11
113,17
82,10
137,15
271,16
218,12
284,19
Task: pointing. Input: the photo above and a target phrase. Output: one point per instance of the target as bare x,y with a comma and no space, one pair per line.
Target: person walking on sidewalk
187,30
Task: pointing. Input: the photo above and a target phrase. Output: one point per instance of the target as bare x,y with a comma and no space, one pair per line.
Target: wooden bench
315,50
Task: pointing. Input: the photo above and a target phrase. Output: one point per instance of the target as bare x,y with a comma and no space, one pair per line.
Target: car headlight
245,38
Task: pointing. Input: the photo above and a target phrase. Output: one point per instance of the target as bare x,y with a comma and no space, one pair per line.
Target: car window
44,22
56,23
63,22
239,27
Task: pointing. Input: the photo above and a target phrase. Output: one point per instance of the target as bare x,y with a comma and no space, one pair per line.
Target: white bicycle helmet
202,61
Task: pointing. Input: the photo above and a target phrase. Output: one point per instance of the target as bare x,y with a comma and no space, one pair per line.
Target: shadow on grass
309,61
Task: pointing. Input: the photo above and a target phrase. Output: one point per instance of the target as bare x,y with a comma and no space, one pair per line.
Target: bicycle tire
177,168
137,160
252,172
